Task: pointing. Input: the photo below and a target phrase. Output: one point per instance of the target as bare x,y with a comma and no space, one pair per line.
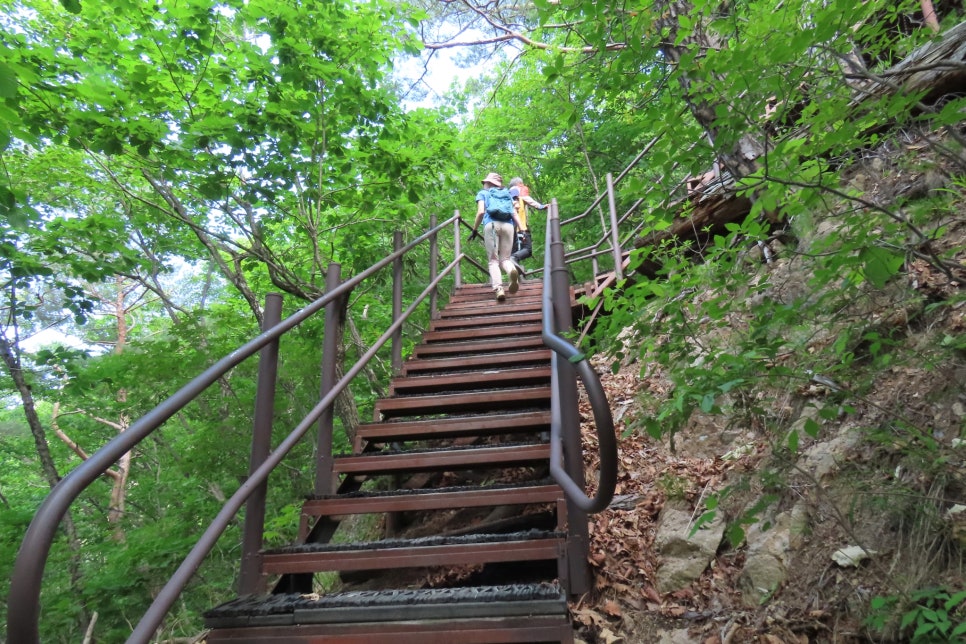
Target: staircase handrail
603,420
24,600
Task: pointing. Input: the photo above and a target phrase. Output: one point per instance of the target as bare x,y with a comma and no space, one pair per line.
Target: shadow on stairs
475,548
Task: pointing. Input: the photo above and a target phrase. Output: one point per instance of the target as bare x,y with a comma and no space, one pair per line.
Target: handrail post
397,287
249,578
578,535
457,250
325,462
433,269
615,242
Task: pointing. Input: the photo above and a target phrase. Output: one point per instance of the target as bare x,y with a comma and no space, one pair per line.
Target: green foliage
927,615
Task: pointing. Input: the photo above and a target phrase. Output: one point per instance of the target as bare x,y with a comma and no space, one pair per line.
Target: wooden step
515,630
509,317
467,380
490,345
416,366
442,459
466,402
432,499
485,331
470,550
471,615
455,426
470,309
469,292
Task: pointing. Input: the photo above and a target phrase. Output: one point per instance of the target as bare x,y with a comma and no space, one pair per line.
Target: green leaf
812,428
955,601
880,264
793,441
73,6
8,81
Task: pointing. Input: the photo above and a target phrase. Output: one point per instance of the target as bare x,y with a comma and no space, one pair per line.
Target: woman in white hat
497,233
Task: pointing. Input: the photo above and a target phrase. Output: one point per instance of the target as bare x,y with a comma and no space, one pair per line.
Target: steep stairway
459,444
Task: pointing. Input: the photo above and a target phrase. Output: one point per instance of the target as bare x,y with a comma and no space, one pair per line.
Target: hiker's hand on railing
474,235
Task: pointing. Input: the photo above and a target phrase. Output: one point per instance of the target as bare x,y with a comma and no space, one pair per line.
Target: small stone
851,556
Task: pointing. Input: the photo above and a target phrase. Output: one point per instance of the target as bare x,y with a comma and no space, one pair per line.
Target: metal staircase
481,422
464,402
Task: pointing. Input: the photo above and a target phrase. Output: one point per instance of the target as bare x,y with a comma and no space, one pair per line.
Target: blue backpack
499,204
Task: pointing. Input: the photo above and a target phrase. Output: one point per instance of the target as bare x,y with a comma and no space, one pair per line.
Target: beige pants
498,240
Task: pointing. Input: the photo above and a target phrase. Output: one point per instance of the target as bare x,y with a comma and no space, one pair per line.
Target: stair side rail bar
23,606
166,597
603,420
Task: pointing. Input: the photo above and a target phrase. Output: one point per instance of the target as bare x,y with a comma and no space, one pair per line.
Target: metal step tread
473,549
464,401
410,500
489,331
461,457
389,605
462,380
484,321
512,342
533,420
417,366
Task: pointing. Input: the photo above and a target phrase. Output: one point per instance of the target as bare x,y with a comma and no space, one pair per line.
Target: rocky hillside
839,503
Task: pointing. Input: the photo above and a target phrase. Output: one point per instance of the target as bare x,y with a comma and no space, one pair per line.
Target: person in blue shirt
497,239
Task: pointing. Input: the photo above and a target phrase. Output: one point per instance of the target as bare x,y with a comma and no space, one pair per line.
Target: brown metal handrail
24,602
565,448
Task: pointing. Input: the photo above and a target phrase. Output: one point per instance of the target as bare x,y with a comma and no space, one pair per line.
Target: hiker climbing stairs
474,546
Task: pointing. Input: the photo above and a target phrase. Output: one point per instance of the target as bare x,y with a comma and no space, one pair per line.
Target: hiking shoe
520,269
500,295
514,281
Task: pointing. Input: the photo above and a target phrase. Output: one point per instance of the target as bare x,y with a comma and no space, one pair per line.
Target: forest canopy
164,165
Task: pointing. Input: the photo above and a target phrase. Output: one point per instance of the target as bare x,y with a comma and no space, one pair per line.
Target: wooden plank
475,401
462,347
441,459
510,317
442,500
531,421
448,382
513,358
485,308
493,331
468,554
518,630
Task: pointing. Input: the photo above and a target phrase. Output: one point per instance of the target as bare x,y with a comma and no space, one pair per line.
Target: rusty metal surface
519,630
496,331
464,402
463,347
441,499
535,420
493,377
505,359
475,322
415,553
443,459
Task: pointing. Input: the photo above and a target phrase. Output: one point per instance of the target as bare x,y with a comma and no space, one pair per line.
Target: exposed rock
766,563
851,556
684,556
823,459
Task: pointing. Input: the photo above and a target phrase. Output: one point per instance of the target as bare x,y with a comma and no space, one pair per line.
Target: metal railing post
324,461
578,534
249,578
615,242
457,250
397,288
433,269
